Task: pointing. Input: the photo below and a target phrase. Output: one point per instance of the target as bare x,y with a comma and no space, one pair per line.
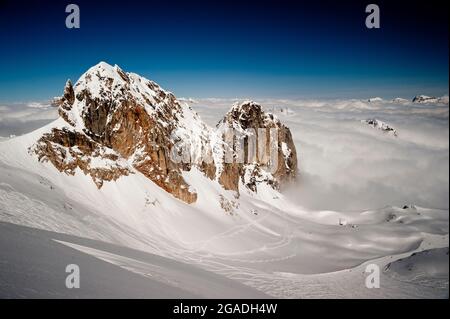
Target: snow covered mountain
380,125
114,123
85,189
424,99
272,161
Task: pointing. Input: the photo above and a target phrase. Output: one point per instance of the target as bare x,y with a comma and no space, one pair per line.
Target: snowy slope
37,260
264,236
428,268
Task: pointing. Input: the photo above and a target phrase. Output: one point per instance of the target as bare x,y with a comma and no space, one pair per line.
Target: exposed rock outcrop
380,125
264,145
424,99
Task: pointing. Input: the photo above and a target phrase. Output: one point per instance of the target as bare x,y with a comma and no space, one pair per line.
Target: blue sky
312,49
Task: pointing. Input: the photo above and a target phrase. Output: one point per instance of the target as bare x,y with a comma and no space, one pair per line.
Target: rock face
263,144
116,123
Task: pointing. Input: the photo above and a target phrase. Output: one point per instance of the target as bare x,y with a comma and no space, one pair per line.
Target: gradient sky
302,49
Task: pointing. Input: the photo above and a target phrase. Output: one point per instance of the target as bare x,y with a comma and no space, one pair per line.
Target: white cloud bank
17,119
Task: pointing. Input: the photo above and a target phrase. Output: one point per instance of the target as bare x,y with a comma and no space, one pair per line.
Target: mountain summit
115,123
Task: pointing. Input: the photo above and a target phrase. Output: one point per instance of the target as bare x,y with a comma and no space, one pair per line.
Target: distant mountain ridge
430,99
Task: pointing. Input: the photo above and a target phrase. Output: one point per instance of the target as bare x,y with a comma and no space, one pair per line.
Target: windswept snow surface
284,245
105,270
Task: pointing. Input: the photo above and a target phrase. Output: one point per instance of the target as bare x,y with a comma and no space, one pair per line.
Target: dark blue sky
229,49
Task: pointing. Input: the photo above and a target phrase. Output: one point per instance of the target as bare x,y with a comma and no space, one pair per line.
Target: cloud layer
18,119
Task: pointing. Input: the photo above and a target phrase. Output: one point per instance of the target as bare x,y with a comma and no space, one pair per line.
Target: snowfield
363,197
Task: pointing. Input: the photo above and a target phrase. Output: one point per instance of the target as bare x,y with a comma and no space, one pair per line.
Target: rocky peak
248,114
443,100
69,94
109,109
424,99
266,145
380,125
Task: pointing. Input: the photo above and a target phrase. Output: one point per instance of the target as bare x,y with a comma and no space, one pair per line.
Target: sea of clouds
347,165
20,118
344,164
